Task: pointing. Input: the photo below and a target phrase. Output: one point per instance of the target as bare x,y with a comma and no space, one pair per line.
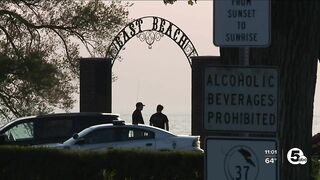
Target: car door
53,129
137,138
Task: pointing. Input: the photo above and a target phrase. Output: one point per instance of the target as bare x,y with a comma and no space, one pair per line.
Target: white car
120,135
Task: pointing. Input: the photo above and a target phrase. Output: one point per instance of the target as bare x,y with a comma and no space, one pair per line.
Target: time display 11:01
271,152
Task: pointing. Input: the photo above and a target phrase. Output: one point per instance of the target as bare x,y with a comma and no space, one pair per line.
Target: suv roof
73,114
78,114
70,115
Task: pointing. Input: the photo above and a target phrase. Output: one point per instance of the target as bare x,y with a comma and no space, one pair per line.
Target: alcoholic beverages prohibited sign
241,99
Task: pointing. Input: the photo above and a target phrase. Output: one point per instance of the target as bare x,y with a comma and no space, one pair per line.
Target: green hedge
22,163
316,168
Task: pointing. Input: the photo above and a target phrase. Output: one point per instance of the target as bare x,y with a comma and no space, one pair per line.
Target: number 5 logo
295,156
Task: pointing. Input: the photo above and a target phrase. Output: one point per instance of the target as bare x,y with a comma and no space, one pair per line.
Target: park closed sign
242,23
241,99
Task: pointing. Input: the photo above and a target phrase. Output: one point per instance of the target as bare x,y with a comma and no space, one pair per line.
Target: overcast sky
162,75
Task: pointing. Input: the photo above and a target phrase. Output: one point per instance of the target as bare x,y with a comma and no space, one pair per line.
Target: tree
295,51
190,2
39,47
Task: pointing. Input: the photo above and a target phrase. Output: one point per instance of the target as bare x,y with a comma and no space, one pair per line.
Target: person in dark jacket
137,115
159,119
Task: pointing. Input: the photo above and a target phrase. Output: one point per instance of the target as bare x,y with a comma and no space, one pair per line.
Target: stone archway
96,73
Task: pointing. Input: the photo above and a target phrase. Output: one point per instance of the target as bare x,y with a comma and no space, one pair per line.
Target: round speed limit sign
241,163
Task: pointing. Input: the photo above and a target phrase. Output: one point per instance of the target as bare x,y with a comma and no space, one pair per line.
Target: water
179,124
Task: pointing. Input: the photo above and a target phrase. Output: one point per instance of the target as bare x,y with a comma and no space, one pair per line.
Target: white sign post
241,99
241,159
242,23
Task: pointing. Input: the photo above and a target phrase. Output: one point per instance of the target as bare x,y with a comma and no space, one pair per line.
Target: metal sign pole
244,60
244,56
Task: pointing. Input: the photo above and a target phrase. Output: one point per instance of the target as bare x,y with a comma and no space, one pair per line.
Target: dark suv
52,128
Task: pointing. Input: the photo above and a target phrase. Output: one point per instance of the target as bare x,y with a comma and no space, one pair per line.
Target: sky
162,75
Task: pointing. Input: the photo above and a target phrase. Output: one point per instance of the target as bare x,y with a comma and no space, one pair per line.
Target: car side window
137,134
21,131
101,136
52,128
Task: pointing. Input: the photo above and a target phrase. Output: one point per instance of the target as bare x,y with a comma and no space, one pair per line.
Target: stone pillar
95,85
197,106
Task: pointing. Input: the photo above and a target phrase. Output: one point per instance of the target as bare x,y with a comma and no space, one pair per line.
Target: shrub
27,163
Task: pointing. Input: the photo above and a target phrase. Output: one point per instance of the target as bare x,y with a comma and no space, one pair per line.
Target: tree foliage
190,2
40,42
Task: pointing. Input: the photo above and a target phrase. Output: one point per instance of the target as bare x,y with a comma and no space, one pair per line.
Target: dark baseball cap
139,104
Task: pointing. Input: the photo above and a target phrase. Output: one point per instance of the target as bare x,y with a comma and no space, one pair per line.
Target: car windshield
80,134
167,132
84,132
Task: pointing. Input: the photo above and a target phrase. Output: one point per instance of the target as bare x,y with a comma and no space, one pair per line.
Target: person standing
159,119
137,115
